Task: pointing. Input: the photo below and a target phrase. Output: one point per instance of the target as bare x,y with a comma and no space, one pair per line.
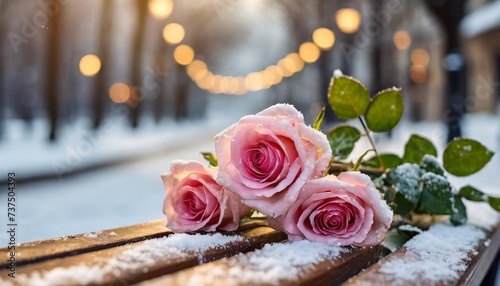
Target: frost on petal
284,110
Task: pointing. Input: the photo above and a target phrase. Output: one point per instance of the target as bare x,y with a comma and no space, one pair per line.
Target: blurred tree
52,65
141,11
101,85
3,23
450,13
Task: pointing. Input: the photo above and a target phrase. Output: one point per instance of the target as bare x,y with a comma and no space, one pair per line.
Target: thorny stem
372,143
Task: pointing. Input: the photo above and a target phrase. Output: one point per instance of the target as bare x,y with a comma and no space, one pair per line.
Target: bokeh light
90,65
418,73
348,20
420,57
183,55
324,38
119,92
173,33
197,69
402,40
309,52
160,9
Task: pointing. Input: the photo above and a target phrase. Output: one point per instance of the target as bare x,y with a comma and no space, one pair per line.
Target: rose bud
343,210
195,202
266,158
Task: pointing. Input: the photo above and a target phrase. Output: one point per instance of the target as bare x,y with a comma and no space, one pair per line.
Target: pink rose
343,210
266,158
196,202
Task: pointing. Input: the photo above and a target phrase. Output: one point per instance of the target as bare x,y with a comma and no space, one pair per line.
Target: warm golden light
402,40
309,52
420,57
90,65
119,92
324,38
418,73
298,62
173,33
348,20
275,71
197,69
183,55
254,81
160,9
282,65
234,85
206,81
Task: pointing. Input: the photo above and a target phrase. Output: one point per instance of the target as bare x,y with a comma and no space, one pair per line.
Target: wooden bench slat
112,274
478,263
326,272
42,250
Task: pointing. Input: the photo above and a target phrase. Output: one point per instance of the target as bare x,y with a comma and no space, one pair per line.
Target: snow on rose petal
343,210
266,158
195,202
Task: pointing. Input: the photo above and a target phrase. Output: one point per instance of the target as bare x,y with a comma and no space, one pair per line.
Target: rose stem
372,143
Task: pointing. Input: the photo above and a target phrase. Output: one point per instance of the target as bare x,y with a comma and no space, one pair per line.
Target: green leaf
473,194
385,110
394,239
319,119
342,139
212,160
459,215
437,195
405,180
390,161
463,157
348,98
494,203
358,163
431,164
416,148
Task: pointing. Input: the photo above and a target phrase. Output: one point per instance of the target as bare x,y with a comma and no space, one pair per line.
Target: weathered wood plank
222,272
42,250
477,263
33,252
113,266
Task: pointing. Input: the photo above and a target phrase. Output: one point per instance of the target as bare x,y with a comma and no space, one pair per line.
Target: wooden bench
142,254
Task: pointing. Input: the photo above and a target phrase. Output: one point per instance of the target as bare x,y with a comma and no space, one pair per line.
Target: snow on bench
253,255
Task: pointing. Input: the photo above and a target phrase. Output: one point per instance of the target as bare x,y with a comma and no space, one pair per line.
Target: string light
420,57
324,38
160,9
183,55
348,20
402,40
90,65
309,52
197,70
173,33
119,92
418,73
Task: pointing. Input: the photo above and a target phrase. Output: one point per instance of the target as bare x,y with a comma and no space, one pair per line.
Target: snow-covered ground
133,193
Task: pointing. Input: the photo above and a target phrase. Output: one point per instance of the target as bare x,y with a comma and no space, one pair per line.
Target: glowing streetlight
348,20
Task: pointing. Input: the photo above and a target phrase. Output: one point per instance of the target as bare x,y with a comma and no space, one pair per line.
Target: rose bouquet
296,175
